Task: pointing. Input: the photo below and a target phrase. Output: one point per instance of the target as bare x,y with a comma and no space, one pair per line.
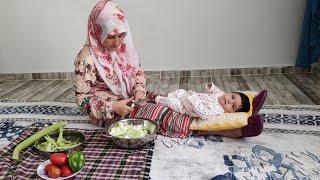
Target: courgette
30,140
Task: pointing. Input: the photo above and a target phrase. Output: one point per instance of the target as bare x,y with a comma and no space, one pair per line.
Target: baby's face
231,102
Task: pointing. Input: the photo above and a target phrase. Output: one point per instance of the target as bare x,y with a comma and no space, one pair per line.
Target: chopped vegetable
129,131
30,140
60,145
76,161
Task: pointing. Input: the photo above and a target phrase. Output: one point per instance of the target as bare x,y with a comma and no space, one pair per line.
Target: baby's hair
245,103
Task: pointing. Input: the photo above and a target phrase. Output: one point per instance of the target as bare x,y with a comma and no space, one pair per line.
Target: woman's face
113,42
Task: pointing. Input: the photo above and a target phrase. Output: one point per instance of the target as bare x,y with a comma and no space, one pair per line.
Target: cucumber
30,140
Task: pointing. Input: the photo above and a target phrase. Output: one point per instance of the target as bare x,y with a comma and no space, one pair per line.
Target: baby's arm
203,106
173,101
212,88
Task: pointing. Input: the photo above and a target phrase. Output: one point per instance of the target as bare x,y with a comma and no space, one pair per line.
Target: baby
205,105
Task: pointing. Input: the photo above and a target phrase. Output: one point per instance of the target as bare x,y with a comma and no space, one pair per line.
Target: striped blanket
172,124
103,159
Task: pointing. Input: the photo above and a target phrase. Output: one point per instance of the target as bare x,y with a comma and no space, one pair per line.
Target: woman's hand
121,107
139,95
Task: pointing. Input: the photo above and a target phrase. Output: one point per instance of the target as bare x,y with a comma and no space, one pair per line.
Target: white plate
42,173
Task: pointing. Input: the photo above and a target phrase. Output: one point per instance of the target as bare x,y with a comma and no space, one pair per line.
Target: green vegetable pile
59,145
130,131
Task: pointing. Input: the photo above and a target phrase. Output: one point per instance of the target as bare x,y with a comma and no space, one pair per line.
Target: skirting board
167,74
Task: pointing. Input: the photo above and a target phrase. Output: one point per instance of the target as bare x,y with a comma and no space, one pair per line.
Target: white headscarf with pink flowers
116,68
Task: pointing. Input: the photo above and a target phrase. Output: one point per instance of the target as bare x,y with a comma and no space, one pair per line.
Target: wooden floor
283,89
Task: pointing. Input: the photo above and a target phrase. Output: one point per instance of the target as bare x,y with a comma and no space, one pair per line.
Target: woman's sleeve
85,78
140,81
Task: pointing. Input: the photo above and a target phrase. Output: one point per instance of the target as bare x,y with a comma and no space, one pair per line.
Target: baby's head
234,102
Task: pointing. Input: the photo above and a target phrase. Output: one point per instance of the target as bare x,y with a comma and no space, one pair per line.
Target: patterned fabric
103,160
13,110
102,76
203,105
9,131
117,68
171,123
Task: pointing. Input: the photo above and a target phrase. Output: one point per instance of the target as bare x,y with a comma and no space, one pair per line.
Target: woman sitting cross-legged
107,73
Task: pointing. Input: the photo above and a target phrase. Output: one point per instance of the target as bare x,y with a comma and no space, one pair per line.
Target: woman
107,73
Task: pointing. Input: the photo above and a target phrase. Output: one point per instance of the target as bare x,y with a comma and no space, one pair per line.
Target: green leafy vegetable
30,140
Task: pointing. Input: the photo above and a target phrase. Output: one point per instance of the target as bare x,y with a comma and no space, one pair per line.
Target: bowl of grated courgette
132,133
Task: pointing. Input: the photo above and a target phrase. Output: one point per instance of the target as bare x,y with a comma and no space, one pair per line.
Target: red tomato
65,171
54,172
59,159
47,167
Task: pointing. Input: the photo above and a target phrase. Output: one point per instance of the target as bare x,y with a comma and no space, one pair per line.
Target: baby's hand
209,86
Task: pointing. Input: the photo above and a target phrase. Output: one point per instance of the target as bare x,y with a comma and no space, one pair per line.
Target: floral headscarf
116,68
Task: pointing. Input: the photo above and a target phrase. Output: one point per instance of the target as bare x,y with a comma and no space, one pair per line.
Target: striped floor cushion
171,123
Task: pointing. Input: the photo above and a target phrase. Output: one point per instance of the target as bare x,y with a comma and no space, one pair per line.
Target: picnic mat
103,159
288,148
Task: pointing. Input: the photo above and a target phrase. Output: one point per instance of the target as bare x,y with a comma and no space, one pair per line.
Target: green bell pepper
76,161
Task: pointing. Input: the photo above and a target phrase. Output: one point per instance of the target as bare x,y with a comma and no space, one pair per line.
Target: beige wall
45,35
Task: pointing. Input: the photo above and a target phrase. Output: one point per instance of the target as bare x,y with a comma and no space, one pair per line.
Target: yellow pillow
225,121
